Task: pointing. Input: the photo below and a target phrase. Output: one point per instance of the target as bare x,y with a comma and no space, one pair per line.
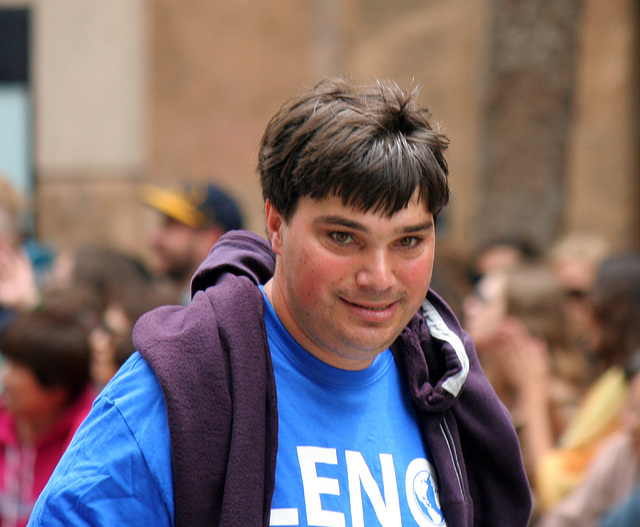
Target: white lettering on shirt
421,487
422,493
358,473
315,485
284,517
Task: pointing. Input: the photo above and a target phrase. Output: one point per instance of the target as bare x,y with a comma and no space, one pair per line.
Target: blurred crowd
556,330
66,320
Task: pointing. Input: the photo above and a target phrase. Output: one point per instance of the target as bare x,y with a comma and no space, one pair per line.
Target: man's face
347,282
175,248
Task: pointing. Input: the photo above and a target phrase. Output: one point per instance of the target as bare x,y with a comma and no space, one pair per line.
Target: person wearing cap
192,216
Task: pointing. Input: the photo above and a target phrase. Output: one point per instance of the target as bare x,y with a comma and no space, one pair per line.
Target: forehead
332,209
353,204
167,224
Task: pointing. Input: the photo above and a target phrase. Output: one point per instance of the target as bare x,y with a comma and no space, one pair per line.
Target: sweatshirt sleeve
113,473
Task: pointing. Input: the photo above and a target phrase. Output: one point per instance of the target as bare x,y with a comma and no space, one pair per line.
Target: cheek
13,379
416,276
313,277
312,263
22,396
180,242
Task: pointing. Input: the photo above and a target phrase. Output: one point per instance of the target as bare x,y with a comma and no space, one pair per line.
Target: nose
376,271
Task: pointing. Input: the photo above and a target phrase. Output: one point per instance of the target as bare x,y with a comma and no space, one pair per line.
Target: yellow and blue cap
197,205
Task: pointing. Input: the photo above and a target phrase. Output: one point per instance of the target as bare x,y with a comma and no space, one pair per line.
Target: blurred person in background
614,473
626,514
612,334
191,217
46,394
110,289
451,278
111,339
518,324
111,346
503,252
22,259
575,259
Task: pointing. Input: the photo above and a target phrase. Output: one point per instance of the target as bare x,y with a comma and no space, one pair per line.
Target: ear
275,223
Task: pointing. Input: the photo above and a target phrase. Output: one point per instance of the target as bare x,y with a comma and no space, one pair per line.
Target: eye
341,237
409,241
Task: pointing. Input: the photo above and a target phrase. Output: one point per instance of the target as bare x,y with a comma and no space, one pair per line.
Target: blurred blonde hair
580,245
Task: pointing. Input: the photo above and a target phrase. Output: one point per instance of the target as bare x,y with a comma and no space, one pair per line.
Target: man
342,392
191,218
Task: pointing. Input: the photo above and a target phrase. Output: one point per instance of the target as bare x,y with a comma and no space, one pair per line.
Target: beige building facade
132,91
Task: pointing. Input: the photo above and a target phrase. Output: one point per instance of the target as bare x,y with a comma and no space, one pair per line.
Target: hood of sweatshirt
236,253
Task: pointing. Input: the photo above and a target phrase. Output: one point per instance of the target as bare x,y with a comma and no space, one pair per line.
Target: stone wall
216,86
89,90
603,174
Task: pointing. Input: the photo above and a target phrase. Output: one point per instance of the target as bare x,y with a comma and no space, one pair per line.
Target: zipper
444,428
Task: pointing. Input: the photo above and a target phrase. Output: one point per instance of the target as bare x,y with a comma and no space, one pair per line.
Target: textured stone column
603,170
90,88
527,119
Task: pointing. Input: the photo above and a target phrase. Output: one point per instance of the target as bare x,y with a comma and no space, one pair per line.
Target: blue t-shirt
339,461
350,452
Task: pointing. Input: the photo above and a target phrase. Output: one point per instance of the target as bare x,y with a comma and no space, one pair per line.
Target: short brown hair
372,146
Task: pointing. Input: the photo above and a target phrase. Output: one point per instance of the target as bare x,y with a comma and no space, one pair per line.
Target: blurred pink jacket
25,468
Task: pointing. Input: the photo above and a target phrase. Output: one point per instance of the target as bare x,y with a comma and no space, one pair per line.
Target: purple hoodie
214,366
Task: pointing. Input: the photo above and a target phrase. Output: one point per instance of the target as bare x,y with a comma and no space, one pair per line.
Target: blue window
15,100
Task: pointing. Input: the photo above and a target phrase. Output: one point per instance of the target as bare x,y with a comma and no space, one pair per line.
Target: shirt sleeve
117,469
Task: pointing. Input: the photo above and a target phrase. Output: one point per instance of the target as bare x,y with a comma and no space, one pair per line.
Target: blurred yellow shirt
563,468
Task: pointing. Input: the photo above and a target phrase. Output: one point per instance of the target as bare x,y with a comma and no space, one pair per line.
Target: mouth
371,307
372,312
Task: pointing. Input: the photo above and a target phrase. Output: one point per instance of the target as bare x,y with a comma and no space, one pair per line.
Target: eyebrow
360,227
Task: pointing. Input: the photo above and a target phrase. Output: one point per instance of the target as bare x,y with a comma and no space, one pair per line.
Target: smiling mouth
375,314
371,308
